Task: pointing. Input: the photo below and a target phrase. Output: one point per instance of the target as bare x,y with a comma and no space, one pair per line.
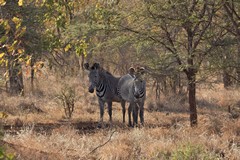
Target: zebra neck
142,93
101,89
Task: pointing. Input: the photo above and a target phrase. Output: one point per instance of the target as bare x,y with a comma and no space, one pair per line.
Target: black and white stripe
106,89
133,90
140,91
101,89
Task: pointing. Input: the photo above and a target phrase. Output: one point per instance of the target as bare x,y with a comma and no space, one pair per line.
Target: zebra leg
110,111
129,115
135,114
101,107
141,113
123,110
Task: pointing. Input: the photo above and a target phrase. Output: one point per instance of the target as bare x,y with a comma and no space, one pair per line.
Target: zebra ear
142,70
96,66
131,71
86,66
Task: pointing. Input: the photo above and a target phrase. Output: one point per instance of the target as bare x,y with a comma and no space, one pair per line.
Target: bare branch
204,29
101,145
228,10
194,3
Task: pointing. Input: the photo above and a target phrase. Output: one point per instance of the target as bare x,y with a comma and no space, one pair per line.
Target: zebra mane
106,74
97,66
105,71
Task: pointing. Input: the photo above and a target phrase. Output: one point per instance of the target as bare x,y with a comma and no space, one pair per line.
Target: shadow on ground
87,127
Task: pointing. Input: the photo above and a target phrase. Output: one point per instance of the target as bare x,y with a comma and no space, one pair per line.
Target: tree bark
192,97
226,79
81,65
238,58
32,76
157,90
15,79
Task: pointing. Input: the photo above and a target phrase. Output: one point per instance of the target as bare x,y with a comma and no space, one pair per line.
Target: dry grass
166,134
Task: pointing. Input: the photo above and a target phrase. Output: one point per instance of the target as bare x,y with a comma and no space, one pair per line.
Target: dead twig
101,144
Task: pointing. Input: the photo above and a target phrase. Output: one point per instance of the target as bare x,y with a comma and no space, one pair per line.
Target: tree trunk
174,83
15,79
238,59
180,86
192,97
81,65
157,90
32,79
226,79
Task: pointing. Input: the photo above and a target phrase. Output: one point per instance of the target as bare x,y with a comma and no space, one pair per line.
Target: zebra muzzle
136,95
90,89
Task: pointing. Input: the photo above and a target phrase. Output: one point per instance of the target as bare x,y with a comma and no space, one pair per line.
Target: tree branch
101,145
229,13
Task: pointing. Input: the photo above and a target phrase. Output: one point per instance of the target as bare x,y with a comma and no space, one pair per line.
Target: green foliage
4,156
11,44
81,47
192,152
187,152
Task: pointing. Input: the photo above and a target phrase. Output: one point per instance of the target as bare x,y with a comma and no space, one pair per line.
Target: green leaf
21,32
3,39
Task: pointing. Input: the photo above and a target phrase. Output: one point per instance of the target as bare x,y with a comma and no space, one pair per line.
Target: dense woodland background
184,45
180,43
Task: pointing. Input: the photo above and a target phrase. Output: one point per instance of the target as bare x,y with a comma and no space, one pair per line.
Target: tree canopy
180,43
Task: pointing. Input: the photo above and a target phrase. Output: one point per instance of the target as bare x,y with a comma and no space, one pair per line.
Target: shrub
192,152
5,156
188,152
67,98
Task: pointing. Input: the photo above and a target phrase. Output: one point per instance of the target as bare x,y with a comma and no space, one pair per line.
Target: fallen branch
101,144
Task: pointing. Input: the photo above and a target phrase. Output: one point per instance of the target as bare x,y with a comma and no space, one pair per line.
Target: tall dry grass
166,134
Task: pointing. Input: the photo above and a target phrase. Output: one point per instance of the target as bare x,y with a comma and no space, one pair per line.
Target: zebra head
139,85
94,76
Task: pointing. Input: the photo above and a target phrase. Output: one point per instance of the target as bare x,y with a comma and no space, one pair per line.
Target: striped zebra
132,89
106,89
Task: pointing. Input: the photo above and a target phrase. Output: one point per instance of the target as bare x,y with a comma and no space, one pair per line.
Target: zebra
106,89
132,89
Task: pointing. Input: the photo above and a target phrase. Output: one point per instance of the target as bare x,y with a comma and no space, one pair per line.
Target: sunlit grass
166,135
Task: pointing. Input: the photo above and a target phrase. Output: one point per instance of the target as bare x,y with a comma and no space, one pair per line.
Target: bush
5,156
67,98
188,152
192,152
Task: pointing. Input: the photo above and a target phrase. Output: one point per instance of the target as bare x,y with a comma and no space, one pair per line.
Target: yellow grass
166,134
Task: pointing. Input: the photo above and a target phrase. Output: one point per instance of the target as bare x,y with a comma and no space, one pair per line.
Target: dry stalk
101,145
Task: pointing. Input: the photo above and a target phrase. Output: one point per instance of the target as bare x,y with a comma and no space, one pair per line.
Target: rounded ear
86,66
142,70
96,66
131,70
